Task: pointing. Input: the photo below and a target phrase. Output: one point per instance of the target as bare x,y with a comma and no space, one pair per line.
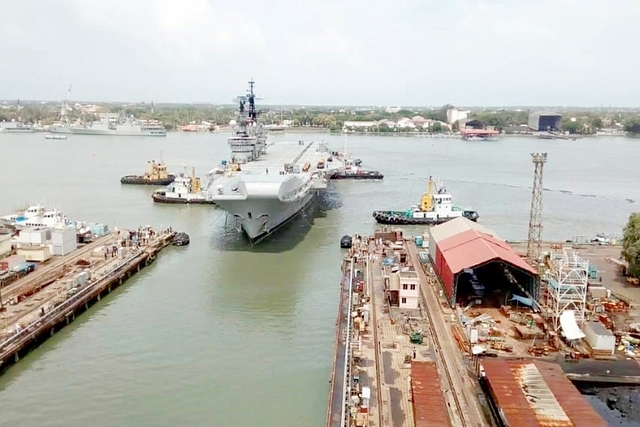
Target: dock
39,304
389,359
407,355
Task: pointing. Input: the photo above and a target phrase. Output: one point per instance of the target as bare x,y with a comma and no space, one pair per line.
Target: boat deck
281,153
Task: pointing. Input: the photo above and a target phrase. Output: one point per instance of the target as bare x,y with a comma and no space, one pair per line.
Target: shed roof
472,248
429,408
546,113
455,226
537,394
599,329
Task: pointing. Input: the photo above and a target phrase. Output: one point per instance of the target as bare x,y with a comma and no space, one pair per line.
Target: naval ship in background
266,184
113,124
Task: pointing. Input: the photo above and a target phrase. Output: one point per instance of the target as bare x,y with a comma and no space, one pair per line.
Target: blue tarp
522,300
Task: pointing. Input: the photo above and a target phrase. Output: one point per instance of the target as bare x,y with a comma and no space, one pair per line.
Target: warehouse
475,265
545,121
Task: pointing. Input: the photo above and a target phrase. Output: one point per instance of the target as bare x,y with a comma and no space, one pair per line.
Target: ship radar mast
253,114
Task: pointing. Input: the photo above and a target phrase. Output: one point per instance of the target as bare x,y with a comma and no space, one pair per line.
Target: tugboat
435,207
352,170
180,239
357,174
183,190
156,175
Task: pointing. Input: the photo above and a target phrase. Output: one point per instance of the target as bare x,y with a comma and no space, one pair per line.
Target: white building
454,115
5,244
360,125
409,289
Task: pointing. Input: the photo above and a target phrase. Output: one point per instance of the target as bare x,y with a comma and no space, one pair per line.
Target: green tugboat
435,207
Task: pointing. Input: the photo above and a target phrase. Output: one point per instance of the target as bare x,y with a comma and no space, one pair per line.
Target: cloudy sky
327,52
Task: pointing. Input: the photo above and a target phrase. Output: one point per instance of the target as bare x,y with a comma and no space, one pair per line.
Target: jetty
36,306
421,341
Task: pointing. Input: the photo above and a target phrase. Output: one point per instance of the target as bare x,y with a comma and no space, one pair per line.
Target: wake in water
551,190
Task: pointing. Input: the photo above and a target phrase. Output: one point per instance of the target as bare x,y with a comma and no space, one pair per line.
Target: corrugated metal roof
429,407
455,226
472,248
574,404
537,394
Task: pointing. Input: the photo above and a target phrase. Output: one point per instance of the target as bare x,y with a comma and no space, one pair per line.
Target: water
217,333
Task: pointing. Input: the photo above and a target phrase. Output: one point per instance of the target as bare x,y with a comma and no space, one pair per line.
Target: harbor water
220,333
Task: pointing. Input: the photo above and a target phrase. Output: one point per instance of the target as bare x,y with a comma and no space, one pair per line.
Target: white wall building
5,244
453,115
409,289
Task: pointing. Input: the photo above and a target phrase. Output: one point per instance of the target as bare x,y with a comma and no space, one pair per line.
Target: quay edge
35,333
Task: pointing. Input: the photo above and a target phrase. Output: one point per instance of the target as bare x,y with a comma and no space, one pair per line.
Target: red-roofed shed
429,407
487,264
533,393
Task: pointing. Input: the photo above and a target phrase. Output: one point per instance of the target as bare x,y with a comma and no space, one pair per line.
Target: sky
328,52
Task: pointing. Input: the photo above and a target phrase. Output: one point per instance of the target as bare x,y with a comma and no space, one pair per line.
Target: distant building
393,110
545,121
455,115
471,124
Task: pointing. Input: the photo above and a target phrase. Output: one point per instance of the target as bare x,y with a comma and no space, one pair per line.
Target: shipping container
599,337
10,262
33,237
39,254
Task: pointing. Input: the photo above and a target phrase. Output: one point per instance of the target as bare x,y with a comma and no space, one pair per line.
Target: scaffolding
567,285
535,214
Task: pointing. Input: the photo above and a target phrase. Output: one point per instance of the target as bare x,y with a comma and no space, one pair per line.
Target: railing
346,385
29,330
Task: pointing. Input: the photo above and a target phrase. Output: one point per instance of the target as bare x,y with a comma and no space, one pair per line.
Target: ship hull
72,131
361,175
401,218
259,218
141,180
161,197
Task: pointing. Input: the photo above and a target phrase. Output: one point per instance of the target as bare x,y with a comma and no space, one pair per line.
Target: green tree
632,126
383,127
596,124
455,127
631,245
436,128
571,127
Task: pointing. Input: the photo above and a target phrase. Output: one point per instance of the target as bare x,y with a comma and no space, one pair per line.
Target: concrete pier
41,303
378,342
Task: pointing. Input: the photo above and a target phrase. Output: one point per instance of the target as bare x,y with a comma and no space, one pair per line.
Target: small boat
436,206
156,175
357,174
345,242
183,190
51,136
180,239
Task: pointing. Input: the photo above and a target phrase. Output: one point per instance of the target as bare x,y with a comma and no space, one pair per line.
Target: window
404,287
413,287
404,300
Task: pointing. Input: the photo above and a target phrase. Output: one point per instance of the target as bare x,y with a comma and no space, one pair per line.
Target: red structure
473,249
532,393
478,133
429,407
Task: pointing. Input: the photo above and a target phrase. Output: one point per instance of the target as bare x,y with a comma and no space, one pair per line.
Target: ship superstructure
266,185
